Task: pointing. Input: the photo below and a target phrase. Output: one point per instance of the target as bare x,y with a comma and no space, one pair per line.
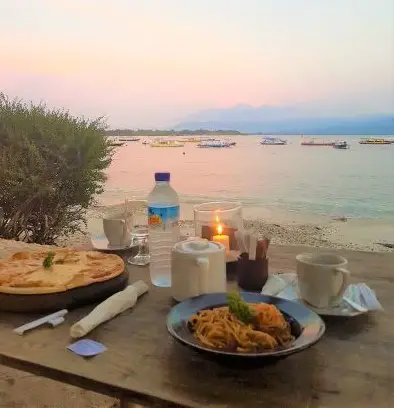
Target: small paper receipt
87,348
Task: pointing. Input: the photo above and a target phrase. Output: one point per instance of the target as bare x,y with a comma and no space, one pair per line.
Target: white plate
343,309
100,243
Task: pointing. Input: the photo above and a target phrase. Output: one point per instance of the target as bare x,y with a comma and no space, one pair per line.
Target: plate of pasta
244,325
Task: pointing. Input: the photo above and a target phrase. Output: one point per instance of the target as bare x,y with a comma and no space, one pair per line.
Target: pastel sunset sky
148,63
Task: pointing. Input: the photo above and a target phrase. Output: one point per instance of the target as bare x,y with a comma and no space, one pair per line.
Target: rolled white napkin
114,305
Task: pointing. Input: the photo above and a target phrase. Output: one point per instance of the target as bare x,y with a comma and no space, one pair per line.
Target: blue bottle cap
162,176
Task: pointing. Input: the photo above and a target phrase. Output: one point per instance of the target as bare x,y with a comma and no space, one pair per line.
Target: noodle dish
244,324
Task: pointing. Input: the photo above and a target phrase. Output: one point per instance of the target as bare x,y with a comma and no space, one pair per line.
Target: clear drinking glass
138,226
228,214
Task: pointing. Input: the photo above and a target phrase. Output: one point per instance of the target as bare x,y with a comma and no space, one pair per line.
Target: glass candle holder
218,221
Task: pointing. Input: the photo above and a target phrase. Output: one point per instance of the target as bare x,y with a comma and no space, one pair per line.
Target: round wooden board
69,299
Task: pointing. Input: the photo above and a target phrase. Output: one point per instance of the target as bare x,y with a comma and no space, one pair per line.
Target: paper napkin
277,283
87,348
114,305
368,297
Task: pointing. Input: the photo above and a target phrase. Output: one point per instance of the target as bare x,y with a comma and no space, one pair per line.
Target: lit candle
222,238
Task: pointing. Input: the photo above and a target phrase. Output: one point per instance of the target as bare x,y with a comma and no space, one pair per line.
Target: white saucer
100,243
342,309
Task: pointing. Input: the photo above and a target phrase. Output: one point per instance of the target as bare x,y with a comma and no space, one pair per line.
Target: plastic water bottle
163,215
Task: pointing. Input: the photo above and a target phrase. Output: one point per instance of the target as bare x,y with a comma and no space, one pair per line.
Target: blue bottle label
163,215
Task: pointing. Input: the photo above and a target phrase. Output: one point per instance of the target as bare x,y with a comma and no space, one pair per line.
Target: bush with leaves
52,166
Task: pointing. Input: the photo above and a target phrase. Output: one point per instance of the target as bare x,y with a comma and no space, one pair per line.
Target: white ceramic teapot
198,266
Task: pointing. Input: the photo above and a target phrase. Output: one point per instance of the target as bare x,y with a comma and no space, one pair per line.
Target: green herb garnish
48,261
238,307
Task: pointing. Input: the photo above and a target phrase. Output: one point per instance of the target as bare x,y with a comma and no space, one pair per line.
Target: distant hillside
169,132
287,120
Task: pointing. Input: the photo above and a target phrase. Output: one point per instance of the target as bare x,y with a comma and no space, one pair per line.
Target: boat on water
214,143
189,140
232,143
341,144
146,142
273,141
313,141
129,139
376,141
114,141
166,143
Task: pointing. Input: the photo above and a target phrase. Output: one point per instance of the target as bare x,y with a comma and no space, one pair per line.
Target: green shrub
51,169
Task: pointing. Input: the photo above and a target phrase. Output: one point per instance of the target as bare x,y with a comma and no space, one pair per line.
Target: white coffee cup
198,266
322,278
116,229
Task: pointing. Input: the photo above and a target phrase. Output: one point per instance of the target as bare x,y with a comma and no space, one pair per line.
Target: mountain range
287,120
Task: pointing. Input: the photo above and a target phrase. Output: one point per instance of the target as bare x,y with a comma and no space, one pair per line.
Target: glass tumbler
138,227
218,221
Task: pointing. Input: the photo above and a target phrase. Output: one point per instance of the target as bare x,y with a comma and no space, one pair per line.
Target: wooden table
352,366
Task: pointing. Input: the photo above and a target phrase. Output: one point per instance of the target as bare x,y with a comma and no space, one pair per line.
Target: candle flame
220,229
217,219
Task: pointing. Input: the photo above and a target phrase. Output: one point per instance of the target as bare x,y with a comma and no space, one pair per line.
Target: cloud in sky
150,62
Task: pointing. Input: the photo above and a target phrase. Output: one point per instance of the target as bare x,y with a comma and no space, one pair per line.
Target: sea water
291,179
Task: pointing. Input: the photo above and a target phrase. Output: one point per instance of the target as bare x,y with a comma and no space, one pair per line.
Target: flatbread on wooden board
23,272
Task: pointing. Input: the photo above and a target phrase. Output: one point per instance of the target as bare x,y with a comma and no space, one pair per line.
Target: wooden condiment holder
252,274
252,266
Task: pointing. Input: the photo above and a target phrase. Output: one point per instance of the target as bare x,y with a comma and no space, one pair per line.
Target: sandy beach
283,228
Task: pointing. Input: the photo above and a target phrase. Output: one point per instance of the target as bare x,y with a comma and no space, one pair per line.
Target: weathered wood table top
352,366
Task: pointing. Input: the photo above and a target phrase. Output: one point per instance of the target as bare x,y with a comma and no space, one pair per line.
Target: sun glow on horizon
142,64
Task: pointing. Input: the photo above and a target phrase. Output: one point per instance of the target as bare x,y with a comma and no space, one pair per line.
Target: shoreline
283,228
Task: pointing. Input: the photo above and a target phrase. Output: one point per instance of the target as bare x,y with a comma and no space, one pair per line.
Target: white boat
231,142
115,141
214,143
273,141
129,139
341,144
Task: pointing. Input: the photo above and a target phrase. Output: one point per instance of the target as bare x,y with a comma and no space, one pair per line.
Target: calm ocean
358,182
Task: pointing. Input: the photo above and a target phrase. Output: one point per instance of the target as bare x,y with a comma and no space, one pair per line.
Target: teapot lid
197,245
